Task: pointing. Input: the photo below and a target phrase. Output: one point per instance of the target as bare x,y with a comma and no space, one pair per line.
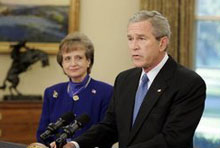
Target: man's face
146,51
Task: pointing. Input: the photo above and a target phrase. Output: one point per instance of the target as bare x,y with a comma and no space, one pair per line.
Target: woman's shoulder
56,91
57,86
101,84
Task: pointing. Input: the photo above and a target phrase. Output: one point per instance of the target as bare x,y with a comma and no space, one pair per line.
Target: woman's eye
67,59
78,58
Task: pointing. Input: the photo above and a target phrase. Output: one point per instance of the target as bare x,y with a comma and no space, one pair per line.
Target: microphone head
67,118
83,120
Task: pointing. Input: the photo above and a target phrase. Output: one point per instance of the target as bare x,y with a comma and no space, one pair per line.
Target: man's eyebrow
141,35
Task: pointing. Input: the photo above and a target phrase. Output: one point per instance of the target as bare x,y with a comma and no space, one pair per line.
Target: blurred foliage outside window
207,64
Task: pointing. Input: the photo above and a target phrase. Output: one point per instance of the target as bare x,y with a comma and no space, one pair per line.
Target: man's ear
164,41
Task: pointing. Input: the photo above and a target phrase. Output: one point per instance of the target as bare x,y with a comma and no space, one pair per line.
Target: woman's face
75,64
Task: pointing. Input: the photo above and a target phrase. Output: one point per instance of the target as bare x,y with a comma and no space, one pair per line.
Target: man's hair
76,41
160,23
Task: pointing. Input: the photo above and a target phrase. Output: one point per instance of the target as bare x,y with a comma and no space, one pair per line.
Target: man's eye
142,38
130,39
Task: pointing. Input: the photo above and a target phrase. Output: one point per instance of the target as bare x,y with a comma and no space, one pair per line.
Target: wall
105,22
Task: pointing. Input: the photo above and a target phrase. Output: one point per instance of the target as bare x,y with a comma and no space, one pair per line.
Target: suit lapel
155,91
127,112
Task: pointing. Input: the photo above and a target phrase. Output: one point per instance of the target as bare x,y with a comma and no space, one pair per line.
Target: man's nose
134,45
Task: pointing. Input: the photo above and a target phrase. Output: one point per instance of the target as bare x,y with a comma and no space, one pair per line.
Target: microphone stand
60,144
61,141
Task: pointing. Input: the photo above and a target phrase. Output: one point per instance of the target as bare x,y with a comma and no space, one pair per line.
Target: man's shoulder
128,72
187,72
180,70
187,76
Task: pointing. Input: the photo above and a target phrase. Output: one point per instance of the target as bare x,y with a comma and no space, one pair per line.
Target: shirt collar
153,73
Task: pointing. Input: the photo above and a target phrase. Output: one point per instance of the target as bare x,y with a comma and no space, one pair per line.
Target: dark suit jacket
168,116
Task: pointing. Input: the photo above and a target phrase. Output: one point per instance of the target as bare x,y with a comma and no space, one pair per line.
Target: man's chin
138,65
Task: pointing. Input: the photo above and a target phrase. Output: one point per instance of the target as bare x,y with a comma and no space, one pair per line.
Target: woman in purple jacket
81,94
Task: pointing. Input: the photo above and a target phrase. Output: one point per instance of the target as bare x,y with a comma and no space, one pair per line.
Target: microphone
52,128
69,130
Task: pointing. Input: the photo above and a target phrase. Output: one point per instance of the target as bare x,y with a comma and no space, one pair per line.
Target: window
207,64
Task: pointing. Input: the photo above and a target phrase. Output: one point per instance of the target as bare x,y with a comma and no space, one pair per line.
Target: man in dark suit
173,100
